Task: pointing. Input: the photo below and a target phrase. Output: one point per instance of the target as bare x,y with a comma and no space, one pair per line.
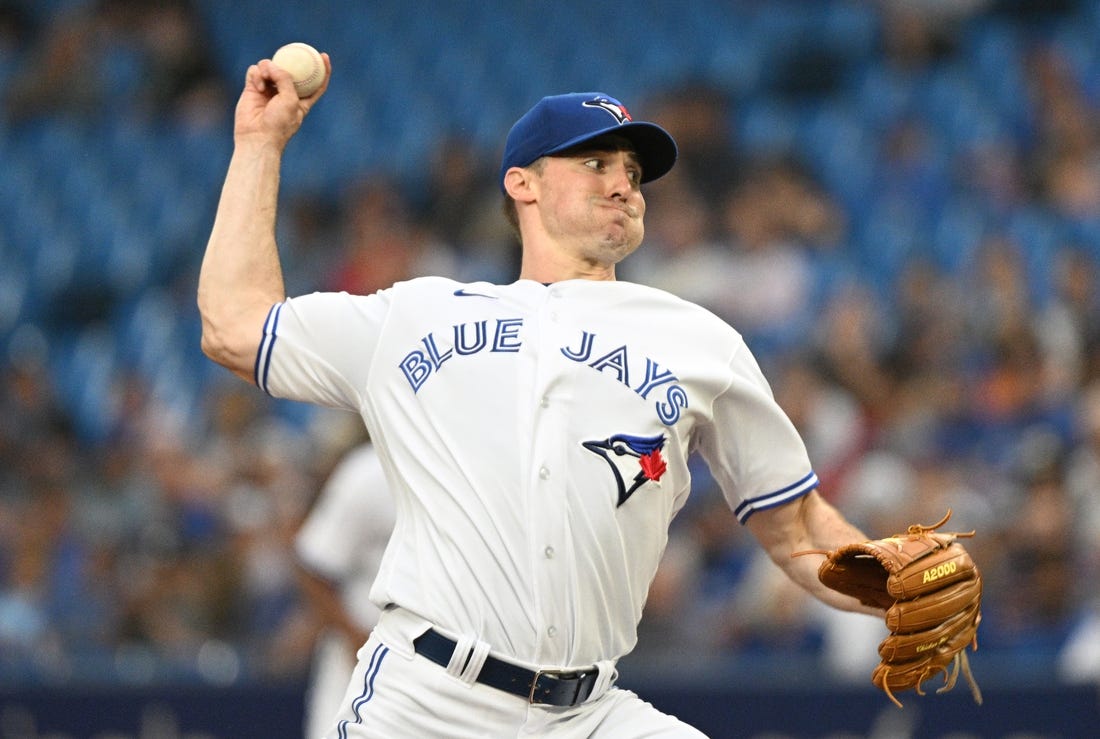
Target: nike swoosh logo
464,294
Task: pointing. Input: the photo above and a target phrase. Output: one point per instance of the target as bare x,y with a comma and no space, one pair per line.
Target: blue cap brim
654,146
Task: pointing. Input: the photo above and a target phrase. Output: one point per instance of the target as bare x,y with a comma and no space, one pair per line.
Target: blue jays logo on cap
559,122
615,108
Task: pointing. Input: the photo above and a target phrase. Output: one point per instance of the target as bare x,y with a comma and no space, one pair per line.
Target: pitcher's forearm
241,276
809,524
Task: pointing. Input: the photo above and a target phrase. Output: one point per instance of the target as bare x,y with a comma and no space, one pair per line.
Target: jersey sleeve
306,353
752,448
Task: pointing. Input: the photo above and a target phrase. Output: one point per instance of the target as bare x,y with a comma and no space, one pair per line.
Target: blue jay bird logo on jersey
614,107
636,459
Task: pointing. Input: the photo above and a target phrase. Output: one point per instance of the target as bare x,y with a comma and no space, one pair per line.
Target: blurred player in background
339,549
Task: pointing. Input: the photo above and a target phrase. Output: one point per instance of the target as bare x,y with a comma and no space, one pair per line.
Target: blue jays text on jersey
504,336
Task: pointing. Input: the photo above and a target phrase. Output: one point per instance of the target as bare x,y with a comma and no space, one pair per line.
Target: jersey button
544,473
545,402
552,631
549,552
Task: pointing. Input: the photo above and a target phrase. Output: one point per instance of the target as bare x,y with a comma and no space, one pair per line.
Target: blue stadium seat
840,149
14,289
84,369
54,262
767,126
1039,236
957,230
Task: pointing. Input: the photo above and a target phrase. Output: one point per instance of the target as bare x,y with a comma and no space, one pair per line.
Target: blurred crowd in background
925,303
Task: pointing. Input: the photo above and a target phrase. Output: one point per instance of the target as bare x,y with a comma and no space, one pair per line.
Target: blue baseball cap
559,122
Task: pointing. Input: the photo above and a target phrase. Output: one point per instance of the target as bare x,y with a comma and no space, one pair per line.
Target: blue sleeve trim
267,342
777,498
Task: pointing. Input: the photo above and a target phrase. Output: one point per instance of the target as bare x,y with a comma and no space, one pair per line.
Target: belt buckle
535,684
577,676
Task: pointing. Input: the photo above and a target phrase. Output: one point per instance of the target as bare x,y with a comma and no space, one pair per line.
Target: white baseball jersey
536,440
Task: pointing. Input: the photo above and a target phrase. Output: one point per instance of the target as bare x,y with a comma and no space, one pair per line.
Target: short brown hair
508,207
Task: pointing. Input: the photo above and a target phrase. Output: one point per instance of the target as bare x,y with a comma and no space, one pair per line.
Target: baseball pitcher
535,434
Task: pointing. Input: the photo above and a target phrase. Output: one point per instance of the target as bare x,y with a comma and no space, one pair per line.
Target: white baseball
305,65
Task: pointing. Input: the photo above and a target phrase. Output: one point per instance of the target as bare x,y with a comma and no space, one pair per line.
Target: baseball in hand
305,65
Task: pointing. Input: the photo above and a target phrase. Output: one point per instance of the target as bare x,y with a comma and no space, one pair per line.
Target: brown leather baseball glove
931,591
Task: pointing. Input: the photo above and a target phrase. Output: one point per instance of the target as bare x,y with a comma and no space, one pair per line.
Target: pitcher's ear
517,183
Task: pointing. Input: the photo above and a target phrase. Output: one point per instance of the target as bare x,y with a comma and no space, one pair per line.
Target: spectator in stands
381,242
460,212
120,56
701,117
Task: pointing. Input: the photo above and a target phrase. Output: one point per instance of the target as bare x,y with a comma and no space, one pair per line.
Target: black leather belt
547,687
